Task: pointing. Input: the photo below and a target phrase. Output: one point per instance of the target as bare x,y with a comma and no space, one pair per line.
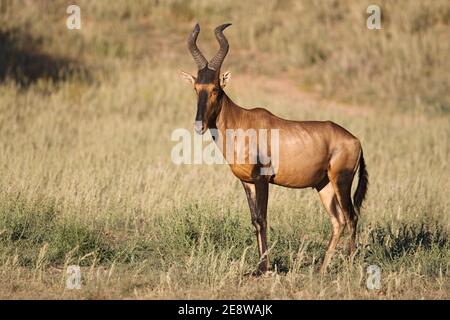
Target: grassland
86,176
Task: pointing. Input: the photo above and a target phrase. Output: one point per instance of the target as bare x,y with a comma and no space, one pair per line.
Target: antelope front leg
257,196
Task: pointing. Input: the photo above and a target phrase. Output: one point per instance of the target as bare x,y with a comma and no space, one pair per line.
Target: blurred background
324,46
85,171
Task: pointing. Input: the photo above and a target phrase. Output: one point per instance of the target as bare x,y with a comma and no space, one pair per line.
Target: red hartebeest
317,154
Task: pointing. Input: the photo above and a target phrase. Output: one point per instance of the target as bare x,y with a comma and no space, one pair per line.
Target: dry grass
85,170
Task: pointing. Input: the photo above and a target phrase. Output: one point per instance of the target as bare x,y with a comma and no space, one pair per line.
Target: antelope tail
361,189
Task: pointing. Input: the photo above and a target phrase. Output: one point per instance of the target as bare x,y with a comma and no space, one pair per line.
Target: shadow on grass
22,60
409,245
25,227
389,246
408,238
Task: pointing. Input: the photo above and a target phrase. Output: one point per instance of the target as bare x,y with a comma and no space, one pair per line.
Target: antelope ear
188,77
225,78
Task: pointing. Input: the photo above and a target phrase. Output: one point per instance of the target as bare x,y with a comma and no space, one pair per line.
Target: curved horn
216,62
192,45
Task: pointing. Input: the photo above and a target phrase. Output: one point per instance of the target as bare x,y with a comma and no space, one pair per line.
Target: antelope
312,154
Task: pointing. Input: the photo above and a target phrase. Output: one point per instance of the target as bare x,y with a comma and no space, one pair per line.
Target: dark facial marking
201,105
206,76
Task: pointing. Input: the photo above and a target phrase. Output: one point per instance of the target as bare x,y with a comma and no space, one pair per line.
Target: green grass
200,247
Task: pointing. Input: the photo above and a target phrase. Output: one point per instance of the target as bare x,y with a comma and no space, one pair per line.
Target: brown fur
316,154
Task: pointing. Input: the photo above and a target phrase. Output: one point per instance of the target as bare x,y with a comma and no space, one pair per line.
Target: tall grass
85,170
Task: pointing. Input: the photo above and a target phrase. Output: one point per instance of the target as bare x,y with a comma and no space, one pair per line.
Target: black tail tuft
361,189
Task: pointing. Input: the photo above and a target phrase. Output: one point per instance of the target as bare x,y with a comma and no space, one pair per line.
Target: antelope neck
226,113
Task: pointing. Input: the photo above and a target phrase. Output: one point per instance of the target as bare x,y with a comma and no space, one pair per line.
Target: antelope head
208,83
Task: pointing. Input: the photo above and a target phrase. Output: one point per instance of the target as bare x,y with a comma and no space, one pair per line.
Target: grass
85,170
192,249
